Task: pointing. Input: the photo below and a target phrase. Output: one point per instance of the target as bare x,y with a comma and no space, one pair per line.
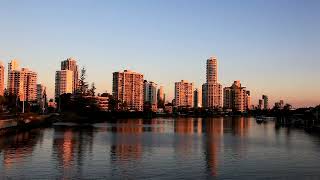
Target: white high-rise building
64,82
212,90
184,94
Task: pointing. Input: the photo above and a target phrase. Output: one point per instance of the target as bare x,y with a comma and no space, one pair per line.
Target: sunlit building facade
128,88
236,97
212,90
183,94
71,65
160,95
64,82
12,65
2,69
23,83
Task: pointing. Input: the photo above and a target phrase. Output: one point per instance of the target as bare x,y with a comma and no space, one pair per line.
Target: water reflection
193,148
69,146
126,140
19,146
214,132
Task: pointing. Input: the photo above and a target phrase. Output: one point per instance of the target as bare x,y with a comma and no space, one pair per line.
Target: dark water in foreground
222,148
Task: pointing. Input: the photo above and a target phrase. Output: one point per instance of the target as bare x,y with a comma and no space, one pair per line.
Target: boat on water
264,119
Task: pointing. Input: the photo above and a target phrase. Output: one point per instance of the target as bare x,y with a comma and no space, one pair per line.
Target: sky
271,46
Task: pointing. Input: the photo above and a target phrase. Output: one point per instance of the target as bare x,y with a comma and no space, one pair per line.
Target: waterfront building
71,65
248,100
197,98
150,94
23,83
279,105
265,102
12,65
41,95
236,97
212,90
168,108
161,95
102,101
64,82
128,88
260,106
183,94
2,68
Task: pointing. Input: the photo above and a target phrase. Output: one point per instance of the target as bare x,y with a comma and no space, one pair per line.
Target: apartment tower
1,79
71,65
236,97
150,92
212,90
23,83
64,82
128,88
183,94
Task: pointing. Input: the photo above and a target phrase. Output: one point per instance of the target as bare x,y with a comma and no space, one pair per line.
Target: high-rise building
183,94
235,97
23,83
12,65
150,92
265,102
212,90
160,95
212,70
197,98
41,95
260,106
128,88
1,79
248,100
71,65
63,82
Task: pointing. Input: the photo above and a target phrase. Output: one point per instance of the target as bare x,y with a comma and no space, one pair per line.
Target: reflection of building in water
128,126
127,140
185,142
69,145
240,126
214,132
16,148
184,126
188,126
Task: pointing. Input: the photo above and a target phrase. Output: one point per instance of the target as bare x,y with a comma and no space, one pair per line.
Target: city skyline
271,53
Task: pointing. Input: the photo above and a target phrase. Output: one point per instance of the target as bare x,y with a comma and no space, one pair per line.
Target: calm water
184,148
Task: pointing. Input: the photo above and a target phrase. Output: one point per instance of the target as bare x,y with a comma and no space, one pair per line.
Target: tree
83,85
93,90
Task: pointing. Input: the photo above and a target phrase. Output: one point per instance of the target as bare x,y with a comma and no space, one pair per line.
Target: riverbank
25,122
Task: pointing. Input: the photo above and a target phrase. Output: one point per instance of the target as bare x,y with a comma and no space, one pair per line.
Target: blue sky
272,46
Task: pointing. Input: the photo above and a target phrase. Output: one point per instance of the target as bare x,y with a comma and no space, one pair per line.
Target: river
162,148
